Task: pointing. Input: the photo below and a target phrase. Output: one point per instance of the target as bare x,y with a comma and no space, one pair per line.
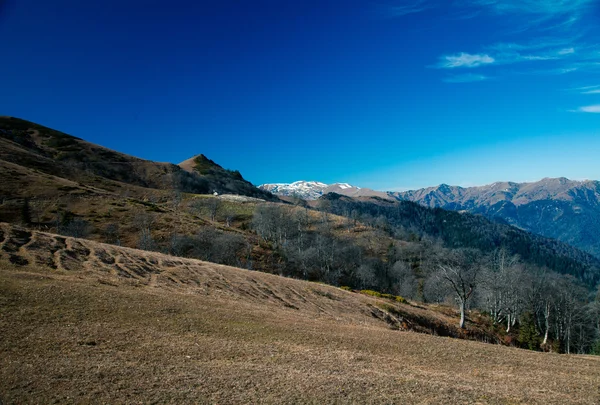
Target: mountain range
59,182
557,208
375,242
313,190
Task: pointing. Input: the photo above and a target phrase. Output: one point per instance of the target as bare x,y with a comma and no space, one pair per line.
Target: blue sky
384,94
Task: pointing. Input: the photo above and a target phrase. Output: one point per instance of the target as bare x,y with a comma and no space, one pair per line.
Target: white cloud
465,60
466,78
566,51
539,15
540,50
587,90
533,45
594,109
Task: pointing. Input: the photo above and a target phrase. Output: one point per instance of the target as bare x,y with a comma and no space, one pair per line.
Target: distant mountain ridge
313,190
558,208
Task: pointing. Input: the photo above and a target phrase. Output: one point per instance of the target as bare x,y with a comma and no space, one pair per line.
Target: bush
377,294
371,293
346,288
528,336
596,349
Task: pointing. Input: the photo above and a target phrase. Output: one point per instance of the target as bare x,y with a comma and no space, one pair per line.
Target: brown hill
86,322
44,152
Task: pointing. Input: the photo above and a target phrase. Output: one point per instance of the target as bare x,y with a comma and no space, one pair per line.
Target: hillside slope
463,230
82,321
34,152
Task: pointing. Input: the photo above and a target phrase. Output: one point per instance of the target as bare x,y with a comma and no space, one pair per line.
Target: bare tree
144,222
76,228
460,270
111,233
145,240
206,206
503,284
324,205
405,282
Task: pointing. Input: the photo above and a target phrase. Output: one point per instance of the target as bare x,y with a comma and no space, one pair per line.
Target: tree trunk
546,324
462,314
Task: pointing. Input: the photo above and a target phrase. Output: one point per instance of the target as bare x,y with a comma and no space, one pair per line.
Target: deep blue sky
388,94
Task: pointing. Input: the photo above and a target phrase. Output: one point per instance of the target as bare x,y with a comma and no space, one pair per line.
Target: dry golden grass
84,322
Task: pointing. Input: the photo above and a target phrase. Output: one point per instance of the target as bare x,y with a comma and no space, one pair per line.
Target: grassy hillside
391,248
42,151
87,322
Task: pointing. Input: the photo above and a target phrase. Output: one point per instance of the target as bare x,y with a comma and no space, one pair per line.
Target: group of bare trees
543,309
553,311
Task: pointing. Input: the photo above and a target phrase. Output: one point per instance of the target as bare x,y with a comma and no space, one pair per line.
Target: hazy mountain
560,208
312,190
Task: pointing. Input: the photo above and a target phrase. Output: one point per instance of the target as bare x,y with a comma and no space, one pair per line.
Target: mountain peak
198,163
313,190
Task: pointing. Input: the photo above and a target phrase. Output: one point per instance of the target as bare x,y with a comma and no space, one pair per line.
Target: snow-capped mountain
312,190
563,209
307,190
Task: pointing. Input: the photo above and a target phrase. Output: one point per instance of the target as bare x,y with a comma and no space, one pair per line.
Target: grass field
83,322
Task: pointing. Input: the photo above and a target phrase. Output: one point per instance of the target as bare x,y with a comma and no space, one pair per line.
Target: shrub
528,336
596,348
371,293
377,294
401,300
346,288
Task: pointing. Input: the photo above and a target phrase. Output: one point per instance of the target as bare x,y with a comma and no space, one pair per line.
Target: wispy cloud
534,45
541,7
409,7
592,109
555,56
464,60
555,13
587,90
538,50
553,36
541,16
466,78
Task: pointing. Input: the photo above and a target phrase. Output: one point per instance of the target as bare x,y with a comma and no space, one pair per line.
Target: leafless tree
208,206
324,205
76,228
111,232
144,222
503,285
460,270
